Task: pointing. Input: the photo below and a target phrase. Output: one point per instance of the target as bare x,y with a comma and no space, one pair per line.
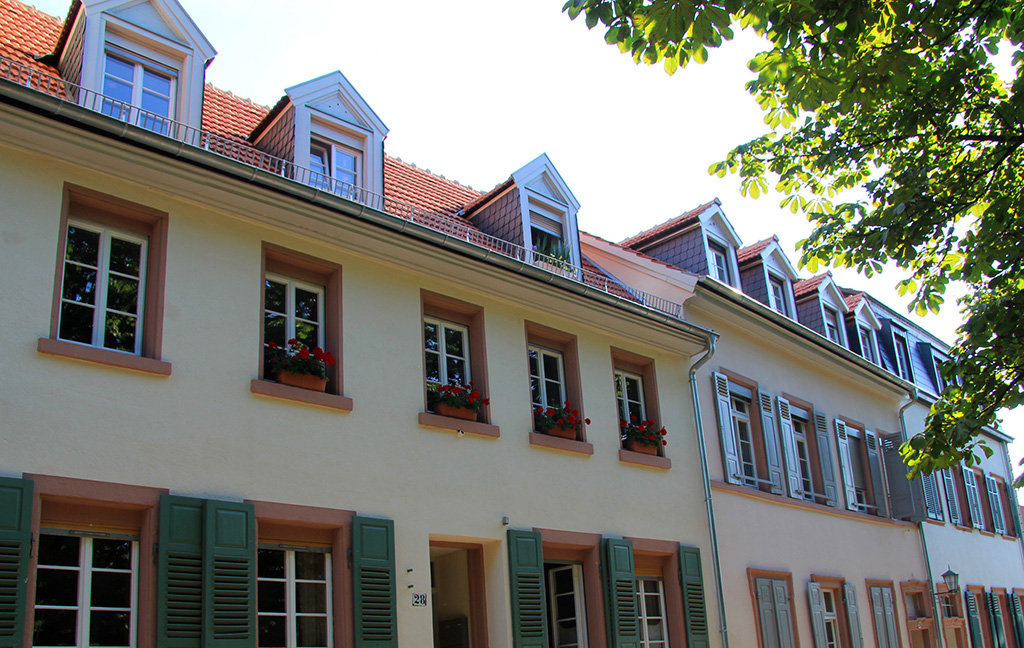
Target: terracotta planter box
464,413
636,446
302,381
562,432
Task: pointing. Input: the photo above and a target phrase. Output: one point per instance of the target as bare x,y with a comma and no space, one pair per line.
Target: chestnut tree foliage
898,98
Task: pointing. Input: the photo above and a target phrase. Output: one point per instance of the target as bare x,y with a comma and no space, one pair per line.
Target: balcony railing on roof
239,150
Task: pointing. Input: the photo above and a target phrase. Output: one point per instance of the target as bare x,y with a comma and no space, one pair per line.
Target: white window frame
291,615
643,616
780,302
85,571
869,350
99,308
864,462
838,323
805,465
718,250
134,113
904,366
442,351
831,618
578,601
738,416
542,378
621,396
290,317
328,178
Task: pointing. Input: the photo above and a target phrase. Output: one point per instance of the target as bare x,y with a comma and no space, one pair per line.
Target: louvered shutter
973,498
794,484
853,616
952,501
730,454
373,582
996,618
526,578
1017,612
771,441
906,497
877,477
933,504
15,544
694,607
179,612
995,502
620,594
817,605
1011,498
828,472
878,611
783,613
766,613
890,618
229,575
846,465
973,619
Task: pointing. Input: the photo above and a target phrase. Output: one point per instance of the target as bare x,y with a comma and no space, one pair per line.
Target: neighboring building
160,487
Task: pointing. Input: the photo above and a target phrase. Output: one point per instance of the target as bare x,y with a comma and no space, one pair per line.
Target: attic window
719,262
903,367
867,344
832,330
335,168
131,83
777,295
547,231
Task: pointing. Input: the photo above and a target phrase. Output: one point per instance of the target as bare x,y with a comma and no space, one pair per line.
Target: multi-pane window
294,598
102,288
867,344
292,309
859,468
719,262
544,241
744,440
330,161
777,295
803,457
832,325
446,347
86,591
940,382
629,393
547,377
830,617
566,617
650,599
903,366
133,84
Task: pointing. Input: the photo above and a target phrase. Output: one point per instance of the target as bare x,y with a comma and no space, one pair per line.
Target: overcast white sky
473,90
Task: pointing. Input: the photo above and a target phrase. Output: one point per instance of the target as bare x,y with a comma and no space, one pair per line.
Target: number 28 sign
419,600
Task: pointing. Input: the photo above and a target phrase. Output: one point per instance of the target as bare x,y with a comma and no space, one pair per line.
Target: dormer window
330,161
832,330
777,295
867,344
720,262
133,82
940,382
903,366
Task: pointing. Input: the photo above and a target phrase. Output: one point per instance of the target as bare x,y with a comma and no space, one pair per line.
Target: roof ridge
412,165
238,97
56,19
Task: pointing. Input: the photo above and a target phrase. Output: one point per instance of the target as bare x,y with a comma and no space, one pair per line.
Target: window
292,309
834,611
867,344
903,364
636,395
830,618
294,597
547,227
453,346
952,497
749,439
744,439
335,168
884,616
810,473
544,241
860,464
547,377
650,603
933,503
970,479
803,457
108,293
777,295
720,262
446,346
940,381
567,625
917,603
832,330
133,83
629,394
775,614
86,590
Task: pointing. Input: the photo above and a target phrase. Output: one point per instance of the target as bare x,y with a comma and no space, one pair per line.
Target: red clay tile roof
853,300
672,225
751,251
26,32
424,190
805,286
227,114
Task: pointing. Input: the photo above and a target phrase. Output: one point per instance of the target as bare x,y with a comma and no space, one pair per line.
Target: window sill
641,459
429,419
558,443
107,357
299,395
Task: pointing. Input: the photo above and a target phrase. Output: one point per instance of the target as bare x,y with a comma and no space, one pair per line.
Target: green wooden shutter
817,605
526,579
15,544
373,575
853,616
996,618
694,607
952,501
828,471
794,484
771,441
996,504
620,594
877,480
730,454
973,619
1014,521
229,575
179,610
1018,617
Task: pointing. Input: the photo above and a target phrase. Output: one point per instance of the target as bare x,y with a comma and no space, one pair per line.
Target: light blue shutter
890,618
906,497
771,441
730,454
374,582
828,472
995,502
952,501
229,575
783,613
794,483
817,605
15,545
526,580
878,611
694,607
846,465
853,616
877,481
766,613
620,593
973,498
932,501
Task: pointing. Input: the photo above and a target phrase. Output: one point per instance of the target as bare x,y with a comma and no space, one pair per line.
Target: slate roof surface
754,249
671,225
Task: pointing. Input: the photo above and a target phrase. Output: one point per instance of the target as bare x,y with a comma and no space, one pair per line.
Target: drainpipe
936,605
715,559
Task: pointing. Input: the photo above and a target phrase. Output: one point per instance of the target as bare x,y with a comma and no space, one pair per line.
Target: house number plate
419,600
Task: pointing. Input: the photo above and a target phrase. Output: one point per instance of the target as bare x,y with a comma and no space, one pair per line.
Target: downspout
936,604
715,559
1012,494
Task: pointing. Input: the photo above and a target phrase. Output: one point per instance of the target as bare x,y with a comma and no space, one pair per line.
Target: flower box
465,413
302,381
642,448
563,432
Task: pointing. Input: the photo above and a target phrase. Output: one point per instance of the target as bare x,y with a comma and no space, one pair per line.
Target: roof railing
243,152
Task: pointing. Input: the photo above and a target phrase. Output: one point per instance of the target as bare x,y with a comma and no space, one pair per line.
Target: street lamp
952,580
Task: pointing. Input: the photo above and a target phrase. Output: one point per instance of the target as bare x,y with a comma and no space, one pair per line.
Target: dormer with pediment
821,307
862,326
534,208
767,275
701,241
145,57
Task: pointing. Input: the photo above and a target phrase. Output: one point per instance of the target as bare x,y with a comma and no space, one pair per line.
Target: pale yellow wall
202,432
